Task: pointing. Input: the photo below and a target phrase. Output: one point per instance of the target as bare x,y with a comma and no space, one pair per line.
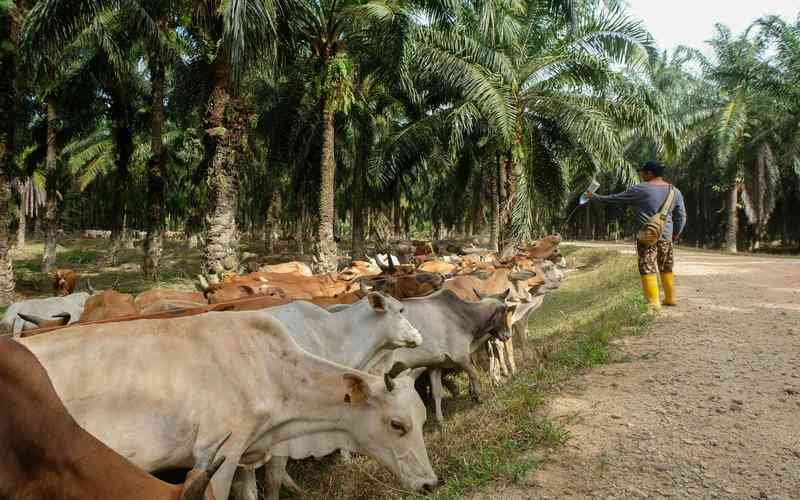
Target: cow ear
480,294
377,301
358,391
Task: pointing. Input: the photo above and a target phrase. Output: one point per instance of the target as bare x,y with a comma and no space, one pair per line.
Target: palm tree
9,17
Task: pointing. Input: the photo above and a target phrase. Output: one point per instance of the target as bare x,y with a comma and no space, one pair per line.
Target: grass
507,436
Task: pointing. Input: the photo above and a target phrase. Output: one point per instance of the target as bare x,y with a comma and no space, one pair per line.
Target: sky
691,22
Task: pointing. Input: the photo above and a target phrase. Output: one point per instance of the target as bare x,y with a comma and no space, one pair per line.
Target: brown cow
154,301
439,267
226,292
520,283
359,269
407,286
108,304
64,281
294,267
46,455
543,248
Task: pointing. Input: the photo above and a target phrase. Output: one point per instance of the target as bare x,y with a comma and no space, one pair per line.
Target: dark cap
655,167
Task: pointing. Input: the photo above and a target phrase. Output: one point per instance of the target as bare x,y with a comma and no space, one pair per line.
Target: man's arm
630,195
678,215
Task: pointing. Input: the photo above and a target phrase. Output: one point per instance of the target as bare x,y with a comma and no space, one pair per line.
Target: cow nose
430,486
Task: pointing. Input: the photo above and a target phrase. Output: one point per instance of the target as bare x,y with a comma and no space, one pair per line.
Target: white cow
359,337
72,304
162,392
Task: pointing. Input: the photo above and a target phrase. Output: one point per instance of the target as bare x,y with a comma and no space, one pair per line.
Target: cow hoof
476,398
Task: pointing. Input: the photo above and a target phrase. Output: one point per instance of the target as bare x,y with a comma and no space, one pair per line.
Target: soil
706,404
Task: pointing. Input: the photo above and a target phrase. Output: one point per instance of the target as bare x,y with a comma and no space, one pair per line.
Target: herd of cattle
251,371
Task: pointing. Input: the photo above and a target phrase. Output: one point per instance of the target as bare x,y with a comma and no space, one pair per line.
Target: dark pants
655,259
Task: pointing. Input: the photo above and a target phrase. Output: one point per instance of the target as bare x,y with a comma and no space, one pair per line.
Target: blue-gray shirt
646,199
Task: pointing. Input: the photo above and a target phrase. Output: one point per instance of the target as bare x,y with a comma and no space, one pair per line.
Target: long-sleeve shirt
646,199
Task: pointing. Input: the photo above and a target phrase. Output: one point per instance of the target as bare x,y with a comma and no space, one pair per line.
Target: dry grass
502,438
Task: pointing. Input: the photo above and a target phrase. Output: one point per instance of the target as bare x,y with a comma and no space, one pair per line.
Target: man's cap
656,167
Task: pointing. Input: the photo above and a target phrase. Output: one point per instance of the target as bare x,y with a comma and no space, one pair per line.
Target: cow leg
275,476
501,358
244,486
492,363
512,364
436,387
472,373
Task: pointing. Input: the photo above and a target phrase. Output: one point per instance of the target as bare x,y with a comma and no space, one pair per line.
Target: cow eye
399,427
402,310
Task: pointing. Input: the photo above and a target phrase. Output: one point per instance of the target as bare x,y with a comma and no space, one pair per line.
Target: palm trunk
123,143
476,215
271,219
225,124
51,208
325,251
156,173
494,193
732,229
21,228
359,191
8,122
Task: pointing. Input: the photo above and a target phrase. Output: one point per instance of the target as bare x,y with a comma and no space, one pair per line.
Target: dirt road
706,404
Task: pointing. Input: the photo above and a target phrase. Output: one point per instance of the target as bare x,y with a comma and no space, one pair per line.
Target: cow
519,283
358,337
520,286
45,310
64,281
359,269
452,329
46,455
157,300
543,248
439,267
226,292
407,286
293,267
135,385
290,285
108,304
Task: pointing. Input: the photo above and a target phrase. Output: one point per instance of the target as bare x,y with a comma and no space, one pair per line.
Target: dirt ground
706,404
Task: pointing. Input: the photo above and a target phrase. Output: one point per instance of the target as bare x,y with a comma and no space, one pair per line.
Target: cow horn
90,287
392,270
65,317
197,481
30,318
389,382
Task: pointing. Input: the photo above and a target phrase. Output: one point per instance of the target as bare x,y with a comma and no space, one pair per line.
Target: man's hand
589,194
675,237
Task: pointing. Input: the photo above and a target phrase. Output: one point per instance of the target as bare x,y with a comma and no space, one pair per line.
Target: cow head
389,318
502,318
64,281
388,419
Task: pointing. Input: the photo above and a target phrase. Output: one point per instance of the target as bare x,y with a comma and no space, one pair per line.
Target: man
647,198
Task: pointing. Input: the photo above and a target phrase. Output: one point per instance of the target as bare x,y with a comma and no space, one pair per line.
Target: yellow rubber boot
651,292
668,282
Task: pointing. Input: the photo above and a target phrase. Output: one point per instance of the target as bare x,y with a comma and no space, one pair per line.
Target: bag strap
662,212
